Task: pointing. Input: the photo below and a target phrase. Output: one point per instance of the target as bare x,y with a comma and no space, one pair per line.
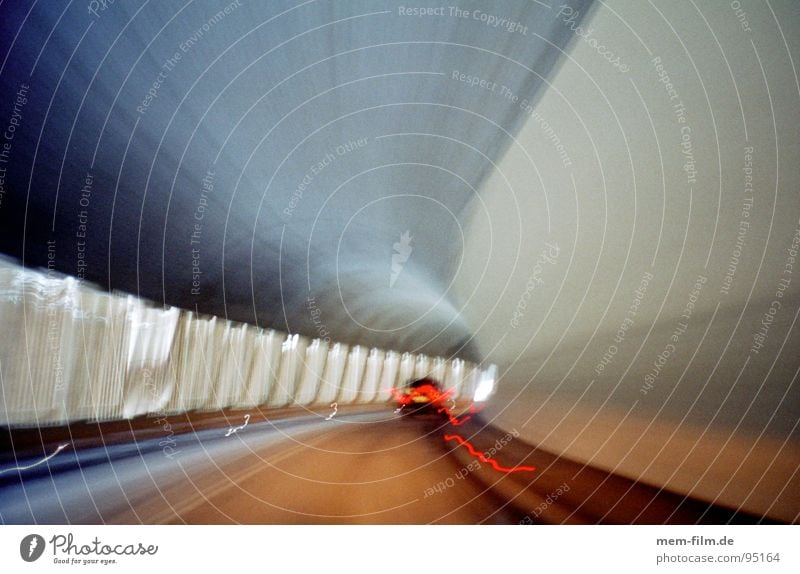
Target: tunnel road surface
360,466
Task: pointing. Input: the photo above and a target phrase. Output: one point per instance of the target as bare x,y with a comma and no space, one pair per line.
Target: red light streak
436,397
453,420
482,458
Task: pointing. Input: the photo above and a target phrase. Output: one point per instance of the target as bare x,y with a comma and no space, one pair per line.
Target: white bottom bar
403,549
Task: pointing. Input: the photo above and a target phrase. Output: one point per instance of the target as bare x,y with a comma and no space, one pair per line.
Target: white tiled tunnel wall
78,353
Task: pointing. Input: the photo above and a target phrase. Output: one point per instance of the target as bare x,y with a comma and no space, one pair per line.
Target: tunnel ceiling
305,166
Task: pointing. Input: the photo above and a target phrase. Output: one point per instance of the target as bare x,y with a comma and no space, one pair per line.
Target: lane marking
45,459
335,407
236,429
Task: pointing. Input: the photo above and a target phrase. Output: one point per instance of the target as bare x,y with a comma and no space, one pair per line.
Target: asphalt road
358,467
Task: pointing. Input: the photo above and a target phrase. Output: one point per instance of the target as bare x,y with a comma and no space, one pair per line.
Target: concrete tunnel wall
592,213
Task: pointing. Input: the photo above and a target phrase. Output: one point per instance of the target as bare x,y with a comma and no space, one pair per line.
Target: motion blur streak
453,420
486,459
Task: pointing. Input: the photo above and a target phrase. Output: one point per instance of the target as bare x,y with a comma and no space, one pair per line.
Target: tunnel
364,262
